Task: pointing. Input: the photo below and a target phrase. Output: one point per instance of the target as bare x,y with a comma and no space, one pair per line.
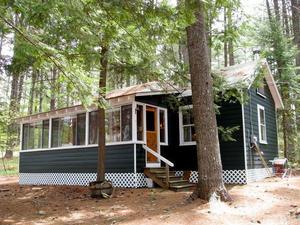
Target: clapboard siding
185,157
140,158
270,149
119,159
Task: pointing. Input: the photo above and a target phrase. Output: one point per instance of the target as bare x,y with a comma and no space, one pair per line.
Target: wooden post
167,175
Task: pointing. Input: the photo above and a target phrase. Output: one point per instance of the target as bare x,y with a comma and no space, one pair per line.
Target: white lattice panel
229,176
118,179
257,174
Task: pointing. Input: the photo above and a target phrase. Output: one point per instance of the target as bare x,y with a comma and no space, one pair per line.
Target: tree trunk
210,181
101,111
53,89
276,10
225,40
285,20
14,93
296,28
269,11
41,97
230,40
32,92
20,91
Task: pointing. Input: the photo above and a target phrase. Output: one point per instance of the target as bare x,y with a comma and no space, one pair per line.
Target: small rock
258,221
41,212
208,211
293,206
297,212
36,188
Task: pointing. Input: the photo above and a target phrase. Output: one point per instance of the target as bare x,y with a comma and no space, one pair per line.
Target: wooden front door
152,134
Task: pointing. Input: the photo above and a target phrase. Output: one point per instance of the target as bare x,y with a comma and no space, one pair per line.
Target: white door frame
158,164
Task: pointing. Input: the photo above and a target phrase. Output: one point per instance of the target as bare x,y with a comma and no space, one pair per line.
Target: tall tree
210,181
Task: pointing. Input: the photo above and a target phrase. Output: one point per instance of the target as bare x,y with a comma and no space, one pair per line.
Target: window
68,131
140,122
262,124
118,125
186,124
93,127
35,135
163,126
113,125
261,90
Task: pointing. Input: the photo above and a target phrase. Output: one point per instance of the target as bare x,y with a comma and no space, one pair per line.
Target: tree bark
296,28
210,181
276,10
41,97
230,40
53,89
285,20
225,39
32,92
101,111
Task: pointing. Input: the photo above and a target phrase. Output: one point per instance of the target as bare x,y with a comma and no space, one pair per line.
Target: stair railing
161,158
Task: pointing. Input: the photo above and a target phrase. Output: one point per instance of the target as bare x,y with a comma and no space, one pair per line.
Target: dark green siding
119,159
185,157
270,149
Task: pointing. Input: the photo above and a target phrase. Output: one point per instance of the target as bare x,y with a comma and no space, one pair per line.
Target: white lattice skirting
257,174
127,180
229,176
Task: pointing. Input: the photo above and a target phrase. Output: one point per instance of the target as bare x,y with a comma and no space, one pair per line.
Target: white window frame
259,93
166,142
260,107
181,130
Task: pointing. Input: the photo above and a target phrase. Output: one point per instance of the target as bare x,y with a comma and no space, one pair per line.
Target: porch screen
118,125
33,135
68,131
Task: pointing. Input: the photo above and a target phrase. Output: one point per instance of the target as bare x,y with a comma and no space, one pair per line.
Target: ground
272,201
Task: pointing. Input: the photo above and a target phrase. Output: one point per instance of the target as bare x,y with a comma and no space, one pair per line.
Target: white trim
181,135
260,107
165,111
87,127
156,164
21,136
260,94
50,133
134,158
244,137
80,146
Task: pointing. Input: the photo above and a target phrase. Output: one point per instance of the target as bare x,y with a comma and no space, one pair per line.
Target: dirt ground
273,201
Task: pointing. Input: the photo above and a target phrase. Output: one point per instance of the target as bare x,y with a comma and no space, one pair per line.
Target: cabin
148,132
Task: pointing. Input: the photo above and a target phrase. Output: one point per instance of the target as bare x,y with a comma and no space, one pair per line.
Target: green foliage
228,132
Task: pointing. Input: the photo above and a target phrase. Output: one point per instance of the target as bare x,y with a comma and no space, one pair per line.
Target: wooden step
171,177
182,187
178,182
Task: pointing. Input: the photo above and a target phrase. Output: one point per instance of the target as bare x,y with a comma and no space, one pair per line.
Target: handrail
160,157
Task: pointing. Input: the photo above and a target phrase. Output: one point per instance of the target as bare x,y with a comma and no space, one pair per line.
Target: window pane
162,125
150,120
187,134
262,116
56,133
45,134
187,117
31,136
68,136
93,127
126,123
37,135
25,137
81,129
140,123
113,128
